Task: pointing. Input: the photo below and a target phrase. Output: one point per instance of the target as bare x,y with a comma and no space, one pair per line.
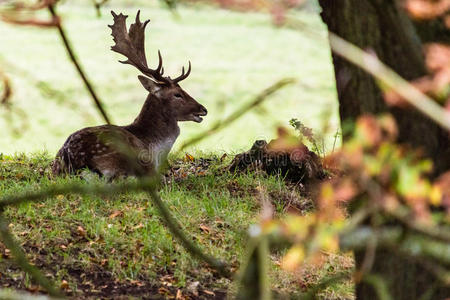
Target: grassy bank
94,246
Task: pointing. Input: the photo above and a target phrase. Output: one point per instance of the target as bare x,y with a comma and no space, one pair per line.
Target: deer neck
155,125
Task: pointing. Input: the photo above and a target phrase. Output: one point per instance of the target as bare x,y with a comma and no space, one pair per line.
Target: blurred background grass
234,56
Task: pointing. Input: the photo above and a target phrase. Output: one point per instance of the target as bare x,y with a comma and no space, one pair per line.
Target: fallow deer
134,149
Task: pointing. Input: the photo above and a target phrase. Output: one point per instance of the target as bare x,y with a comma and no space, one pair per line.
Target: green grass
234,56
122,235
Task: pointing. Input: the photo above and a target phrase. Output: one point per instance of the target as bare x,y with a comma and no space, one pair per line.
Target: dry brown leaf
179,295
140,225
163,291
205,228
115,214
211,293
64,285
193,288
81,231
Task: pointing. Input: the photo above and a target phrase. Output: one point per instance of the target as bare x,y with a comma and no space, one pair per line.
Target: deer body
139,148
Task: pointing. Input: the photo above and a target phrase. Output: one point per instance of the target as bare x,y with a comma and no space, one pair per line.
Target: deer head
165,89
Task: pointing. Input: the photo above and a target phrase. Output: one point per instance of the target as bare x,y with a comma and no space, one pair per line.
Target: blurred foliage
376,184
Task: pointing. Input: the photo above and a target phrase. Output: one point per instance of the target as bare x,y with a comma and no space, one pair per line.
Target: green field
234,56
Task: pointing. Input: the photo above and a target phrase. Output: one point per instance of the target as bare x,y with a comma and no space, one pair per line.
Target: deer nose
203,111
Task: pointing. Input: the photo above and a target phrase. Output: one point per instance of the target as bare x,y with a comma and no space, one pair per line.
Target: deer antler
131,45
183,76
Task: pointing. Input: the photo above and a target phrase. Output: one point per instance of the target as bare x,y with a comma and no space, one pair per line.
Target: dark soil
97,283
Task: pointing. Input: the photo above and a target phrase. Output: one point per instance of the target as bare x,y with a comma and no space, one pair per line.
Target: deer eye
178,96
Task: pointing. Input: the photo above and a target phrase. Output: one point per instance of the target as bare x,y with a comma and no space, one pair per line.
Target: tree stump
295,164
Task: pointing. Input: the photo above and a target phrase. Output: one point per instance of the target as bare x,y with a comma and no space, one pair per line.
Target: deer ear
149,84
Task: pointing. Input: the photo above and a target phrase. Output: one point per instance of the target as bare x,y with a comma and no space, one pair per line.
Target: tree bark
382,27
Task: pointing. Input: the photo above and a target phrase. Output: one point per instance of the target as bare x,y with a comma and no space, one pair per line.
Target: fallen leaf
64,285
193,288
163,291
188,157
140,225
211,293
115,214
205,228
81,231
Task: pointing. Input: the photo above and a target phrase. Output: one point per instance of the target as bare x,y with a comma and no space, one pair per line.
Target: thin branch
407,243
324,283
21,259
264,280
436,269
7,91
379,285
176,230
77,65
358,218
76,188
98,5
147,184
369,258
239,112
372,65
441,234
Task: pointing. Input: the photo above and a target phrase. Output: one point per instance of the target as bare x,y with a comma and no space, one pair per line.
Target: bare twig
379,285
77,65
263,256
76,188
176,230
239,112
442,234
372,65
396,238
31,22
147,184
7,92
98,5
324,283
369,258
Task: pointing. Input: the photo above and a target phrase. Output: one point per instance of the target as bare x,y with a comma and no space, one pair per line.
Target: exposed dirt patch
291,201
97,282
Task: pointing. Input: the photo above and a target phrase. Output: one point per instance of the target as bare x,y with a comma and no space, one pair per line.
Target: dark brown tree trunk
382,27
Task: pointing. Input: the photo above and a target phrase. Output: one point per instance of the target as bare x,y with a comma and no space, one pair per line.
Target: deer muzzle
197,117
